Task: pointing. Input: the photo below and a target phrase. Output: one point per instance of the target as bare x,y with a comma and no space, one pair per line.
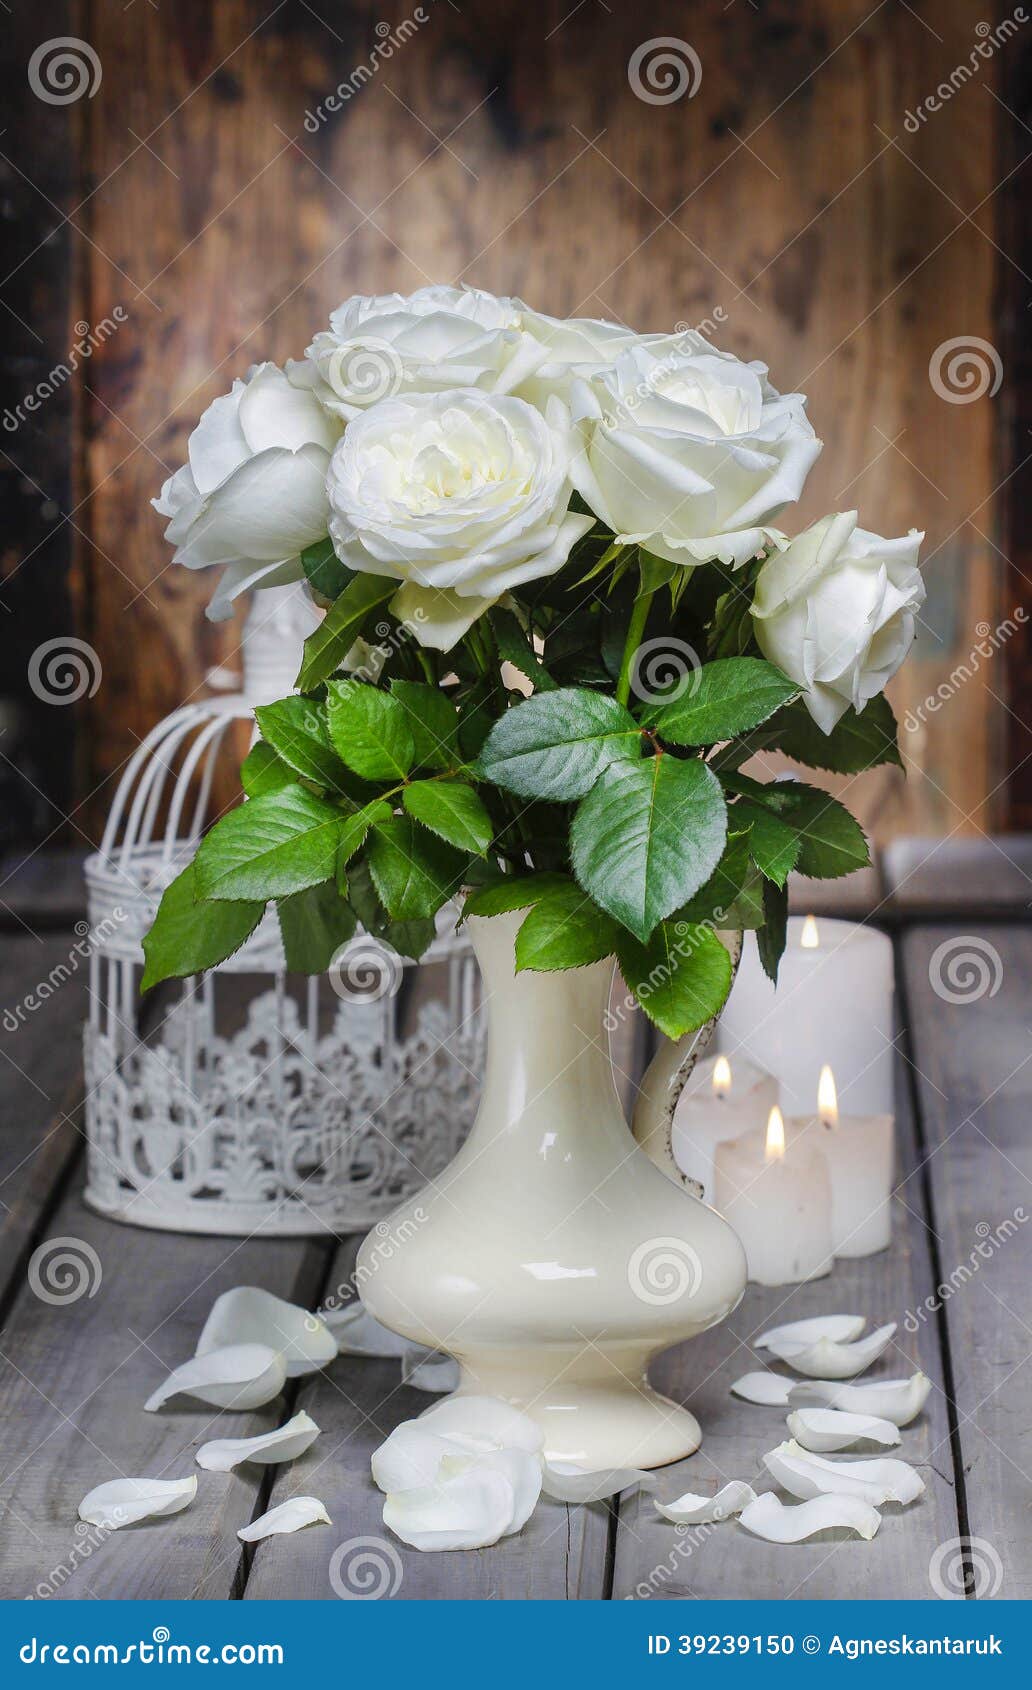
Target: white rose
570,347
253,493
688,451
430,341
836,611
460,496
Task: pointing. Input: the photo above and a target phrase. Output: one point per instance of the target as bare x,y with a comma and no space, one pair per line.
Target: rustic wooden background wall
790,197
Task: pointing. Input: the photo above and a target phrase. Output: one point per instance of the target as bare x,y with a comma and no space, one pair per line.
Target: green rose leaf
452,810
723,699
432,722
854,743
270,847
353,830
370,730
832,842
681,978
296,729
715,901
514,647
774,845
565,930
262,771
327,647
557,744
189,935
410,938
771,937
314,924
325,573
647,837
414,873
517,893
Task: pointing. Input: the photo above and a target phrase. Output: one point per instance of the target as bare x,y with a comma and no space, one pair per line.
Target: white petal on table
289,1516
768,1389
898,1400
691,1510
122,1502
240,1376
267,1449
356,1333
827,1359
769,1518
823,1429
840,1328
467,1511
486,1422
410,1458
417,1458
249,1315
437,1374
565,1481
806,1475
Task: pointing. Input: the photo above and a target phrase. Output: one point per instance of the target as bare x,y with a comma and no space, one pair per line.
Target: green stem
635,629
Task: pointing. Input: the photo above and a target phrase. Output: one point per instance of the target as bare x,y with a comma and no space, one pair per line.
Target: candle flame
775,1146
810,938
721,1077
827,1098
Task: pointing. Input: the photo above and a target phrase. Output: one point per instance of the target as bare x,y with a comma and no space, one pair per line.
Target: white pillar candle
833,1003
776,1193
859,1151
722,1100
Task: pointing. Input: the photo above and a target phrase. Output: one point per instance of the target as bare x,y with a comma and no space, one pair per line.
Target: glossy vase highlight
556,1254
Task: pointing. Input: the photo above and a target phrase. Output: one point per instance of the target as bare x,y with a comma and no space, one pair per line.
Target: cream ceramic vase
558,1253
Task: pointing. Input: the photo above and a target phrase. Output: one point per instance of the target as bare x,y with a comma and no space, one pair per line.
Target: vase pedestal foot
611,1419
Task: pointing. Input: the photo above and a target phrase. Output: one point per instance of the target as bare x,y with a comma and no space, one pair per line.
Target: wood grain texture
74,1379
785,202
974,1081
655,1560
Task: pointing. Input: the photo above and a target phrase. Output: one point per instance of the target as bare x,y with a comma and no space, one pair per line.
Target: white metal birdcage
257,1101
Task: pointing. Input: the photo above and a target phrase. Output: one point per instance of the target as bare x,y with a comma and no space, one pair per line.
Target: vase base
617,1422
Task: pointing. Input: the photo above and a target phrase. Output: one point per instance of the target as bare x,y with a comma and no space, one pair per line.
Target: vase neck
548,1066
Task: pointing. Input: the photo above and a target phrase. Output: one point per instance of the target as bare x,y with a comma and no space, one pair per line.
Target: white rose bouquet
560,617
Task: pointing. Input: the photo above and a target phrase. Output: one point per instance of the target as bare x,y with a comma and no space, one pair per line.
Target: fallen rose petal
840,1328
470,1510
410,1458
268,1448
823,1429
249,1315
827,1359
438,1374
692,1510
240,1376
122,1502
289,1516
766,1388
805,1475
565,1481
484,1422
898,1400
356,1333
769,1518
416,1457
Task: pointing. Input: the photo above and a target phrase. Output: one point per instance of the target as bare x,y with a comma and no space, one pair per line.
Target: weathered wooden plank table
74,1377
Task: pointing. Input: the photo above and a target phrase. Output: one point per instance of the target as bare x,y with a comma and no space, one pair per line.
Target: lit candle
833,1004
859,1152
775,1190
722,1100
